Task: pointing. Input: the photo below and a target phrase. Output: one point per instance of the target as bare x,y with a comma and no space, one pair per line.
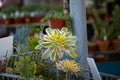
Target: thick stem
57,74
67,76
57,70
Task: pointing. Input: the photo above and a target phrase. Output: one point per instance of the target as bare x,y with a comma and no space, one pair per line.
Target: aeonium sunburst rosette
57,42
69,66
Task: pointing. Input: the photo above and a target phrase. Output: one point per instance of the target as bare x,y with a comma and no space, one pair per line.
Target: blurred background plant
102,28
31,43
116,23
20,38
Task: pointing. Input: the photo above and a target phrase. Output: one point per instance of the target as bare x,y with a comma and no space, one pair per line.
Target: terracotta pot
8,21
89,15
103,16
27,19
18,20
100,58
116,44
56,23
92,48
37,19
102,45
31,36
1,21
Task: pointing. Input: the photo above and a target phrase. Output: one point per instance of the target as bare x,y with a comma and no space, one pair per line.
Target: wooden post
78,15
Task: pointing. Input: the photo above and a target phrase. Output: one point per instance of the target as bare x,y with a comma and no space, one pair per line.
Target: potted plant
103,13
92,46
8,12
38,15
102,30
57,20
18,18
44,8
1,18
115,36
56,7
27,10
31,31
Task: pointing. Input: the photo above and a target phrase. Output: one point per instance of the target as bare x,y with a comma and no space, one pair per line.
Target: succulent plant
57,15
116,23
25,67
56,43
31,43
69,66
9,70
102,28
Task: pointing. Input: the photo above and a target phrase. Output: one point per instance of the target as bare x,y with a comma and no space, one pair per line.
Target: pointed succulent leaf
38,47
74,47
56,31
59,53
47,44
49,31
53,56
69,42
70,51
68,34
45,38
46,54
73,54
64,29
74,38
41,36
67,47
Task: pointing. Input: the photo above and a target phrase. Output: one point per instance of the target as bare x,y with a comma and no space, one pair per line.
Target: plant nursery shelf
107,52
20,25
109,56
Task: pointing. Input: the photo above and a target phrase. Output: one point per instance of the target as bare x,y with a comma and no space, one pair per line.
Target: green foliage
102,28
102,10
43,69
1,15
57,15
44,7
54,15
31,43
56,7
3,65
40,77
98,3
28,8
32,29
25,67
116,23
9,9
9,70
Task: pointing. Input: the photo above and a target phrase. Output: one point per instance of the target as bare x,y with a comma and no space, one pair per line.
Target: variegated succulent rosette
69,66
57,42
